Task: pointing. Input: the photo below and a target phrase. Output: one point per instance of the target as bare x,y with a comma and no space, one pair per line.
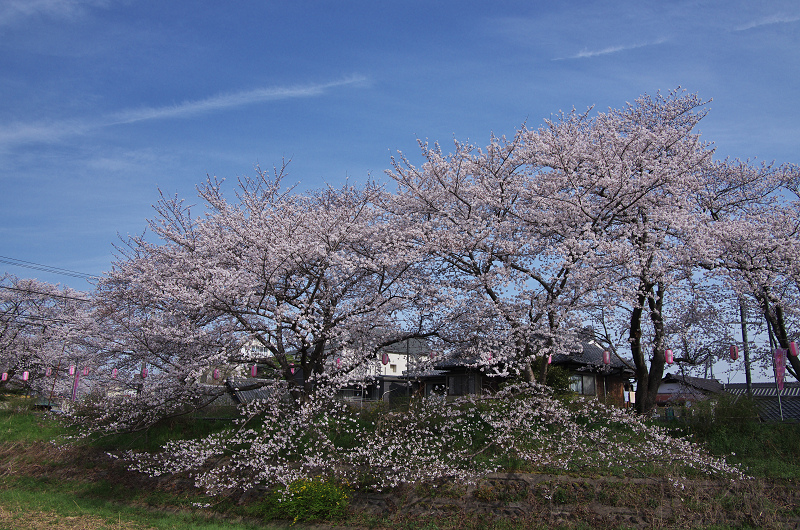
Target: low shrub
728,413
729,426
312,499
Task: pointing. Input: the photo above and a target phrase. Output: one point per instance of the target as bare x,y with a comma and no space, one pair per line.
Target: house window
582,384
461,385
393,367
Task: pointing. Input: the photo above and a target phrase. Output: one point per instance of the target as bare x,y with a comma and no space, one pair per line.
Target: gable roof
246,391
765,396
764,389
704,385
590,359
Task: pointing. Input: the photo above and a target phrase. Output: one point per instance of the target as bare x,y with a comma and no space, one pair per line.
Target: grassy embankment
43,485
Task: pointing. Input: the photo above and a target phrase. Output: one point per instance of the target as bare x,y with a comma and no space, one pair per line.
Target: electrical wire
64,296
46,268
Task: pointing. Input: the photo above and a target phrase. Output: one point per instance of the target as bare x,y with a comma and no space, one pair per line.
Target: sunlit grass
47,501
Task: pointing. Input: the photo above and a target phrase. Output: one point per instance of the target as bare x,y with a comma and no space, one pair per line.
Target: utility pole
745,347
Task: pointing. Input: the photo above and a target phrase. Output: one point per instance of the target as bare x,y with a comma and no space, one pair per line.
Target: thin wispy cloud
768,21
13,11
237,99
585,54
47,132
43,132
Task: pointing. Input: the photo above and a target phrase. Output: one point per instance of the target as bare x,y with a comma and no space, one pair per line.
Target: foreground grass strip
33,504
35,520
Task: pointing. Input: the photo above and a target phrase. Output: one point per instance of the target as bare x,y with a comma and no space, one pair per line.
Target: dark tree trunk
648,379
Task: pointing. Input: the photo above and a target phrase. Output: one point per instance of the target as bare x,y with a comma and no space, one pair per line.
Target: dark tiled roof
705,385
764,389
765,396
430,373
456,362
591,356
769,410
245,391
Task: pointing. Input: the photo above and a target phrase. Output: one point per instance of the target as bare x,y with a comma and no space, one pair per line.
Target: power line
46,268
64,296
36,319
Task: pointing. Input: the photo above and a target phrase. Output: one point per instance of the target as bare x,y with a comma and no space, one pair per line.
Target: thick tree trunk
648,379
773,312
635,338
658,360
527,373
543,372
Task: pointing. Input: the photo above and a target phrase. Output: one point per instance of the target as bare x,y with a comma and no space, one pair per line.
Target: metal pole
605,395
53,388
773,347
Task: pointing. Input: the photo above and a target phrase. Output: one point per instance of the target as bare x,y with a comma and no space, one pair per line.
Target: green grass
105,509
35,484
769,451
153,438
44,490
19,424
729,427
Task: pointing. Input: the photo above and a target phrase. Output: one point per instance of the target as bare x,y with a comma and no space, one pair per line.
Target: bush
557,378
724,414
306,500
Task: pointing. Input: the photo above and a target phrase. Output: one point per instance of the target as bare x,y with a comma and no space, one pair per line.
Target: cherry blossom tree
152,354
37,335
318,280
506,256
631,177
754,229
586,217
500,252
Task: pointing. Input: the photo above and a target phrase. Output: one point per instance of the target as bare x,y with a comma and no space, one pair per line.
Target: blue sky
103,102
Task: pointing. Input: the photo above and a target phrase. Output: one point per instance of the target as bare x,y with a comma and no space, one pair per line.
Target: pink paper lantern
385,358
292,368
48,372
72,369
793,349
550,359
606,357
4,377
668,356
253,370
338,362
86,371
144,372
114,373
25,375
216,373
734,352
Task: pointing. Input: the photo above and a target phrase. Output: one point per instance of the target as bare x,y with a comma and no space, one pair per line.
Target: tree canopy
619,220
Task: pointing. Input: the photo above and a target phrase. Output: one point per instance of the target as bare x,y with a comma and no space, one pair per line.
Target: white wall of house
397,365
678,392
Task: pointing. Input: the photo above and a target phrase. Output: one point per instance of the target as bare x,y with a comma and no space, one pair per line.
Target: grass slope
45,485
